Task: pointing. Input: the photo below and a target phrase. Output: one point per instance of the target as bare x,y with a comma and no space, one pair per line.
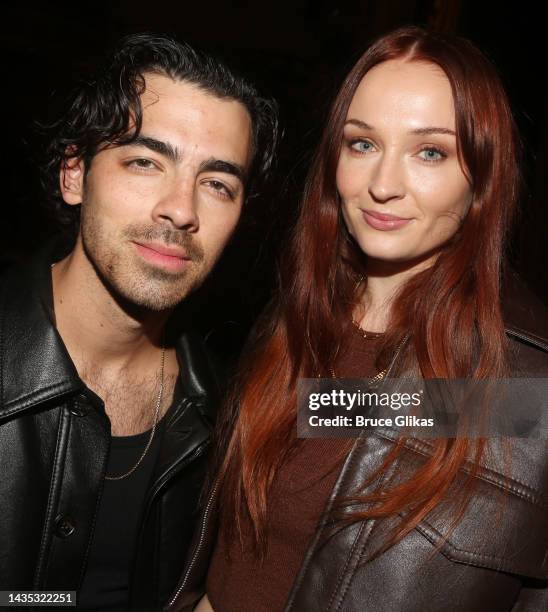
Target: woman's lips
169,259
383,222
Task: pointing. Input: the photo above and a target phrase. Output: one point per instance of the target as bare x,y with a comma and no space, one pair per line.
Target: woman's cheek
349,179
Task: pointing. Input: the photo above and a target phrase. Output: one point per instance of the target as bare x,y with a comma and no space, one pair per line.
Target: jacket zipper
198,546
210,503
395,357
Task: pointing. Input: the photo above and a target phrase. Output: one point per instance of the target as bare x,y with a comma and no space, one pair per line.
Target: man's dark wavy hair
102,110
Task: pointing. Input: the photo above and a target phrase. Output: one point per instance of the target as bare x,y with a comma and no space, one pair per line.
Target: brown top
242,583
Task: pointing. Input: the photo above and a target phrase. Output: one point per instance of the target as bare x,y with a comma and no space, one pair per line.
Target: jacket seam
387,475
517,487
342,575
349,556
528,493
155,579
94,520
53,496
528,336
503,564
2,353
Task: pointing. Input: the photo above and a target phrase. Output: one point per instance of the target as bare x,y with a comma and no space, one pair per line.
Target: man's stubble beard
127,276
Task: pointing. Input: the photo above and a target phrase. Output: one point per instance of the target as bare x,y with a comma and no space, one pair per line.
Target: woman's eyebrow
422,130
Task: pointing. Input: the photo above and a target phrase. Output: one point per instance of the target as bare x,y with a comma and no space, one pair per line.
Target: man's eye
221,189
142,164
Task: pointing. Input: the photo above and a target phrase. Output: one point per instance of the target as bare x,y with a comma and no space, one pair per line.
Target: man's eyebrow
422,131
158,146
172,153
220,165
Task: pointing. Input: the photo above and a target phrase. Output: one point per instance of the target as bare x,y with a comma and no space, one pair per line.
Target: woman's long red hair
451,311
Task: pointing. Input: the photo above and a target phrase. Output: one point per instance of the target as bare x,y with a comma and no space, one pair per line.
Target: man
106,415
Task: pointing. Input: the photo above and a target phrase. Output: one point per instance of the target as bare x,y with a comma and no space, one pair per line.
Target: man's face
157,213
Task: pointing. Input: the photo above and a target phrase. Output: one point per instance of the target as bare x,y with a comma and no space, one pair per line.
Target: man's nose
387,180
177,205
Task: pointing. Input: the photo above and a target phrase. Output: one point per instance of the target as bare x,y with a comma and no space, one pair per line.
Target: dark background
297,51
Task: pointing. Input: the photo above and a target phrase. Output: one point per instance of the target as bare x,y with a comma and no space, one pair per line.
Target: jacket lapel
34,364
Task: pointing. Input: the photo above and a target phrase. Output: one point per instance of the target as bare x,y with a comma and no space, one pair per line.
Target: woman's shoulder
526,322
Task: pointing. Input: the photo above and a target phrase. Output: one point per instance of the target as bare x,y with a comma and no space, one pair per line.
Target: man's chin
157,292
159,300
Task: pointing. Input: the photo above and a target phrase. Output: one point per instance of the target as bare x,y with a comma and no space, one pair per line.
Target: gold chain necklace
365,334
156,414
378,377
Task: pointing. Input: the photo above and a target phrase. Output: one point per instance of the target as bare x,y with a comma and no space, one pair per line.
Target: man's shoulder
34,365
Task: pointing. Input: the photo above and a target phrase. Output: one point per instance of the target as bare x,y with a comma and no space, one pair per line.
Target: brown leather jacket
496,560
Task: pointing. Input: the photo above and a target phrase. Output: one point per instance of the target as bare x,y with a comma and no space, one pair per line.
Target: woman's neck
377,294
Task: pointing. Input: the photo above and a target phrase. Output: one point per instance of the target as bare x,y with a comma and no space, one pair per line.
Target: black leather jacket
54,443
496,560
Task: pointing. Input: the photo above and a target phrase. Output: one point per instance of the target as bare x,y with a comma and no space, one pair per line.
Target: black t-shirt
106,582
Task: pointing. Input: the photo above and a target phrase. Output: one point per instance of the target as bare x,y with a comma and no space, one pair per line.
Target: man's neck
95,328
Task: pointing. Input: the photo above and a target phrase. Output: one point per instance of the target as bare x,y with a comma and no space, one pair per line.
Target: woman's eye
361,146
432,154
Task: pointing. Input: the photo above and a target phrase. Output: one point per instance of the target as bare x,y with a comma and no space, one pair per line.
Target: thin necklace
377,378
156,414
366,334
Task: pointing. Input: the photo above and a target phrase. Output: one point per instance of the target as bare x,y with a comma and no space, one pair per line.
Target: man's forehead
185,116
160,88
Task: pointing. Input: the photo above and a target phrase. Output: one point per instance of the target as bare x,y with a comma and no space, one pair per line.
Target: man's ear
71,180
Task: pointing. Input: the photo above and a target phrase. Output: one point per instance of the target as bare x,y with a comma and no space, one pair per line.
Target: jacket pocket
504,530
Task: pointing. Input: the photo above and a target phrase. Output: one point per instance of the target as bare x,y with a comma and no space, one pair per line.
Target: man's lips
173,258
383,221
165,250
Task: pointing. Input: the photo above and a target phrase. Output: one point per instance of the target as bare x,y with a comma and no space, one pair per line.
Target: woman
395,266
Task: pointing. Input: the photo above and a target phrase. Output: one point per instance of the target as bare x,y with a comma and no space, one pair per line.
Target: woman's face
403,191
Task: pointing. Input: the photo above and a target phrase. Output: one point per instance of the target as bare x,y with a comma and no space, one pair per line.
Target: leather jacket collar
35,366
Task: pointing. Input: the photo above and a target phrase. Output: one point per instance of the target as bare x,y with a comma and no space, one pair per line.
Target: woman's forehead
410,93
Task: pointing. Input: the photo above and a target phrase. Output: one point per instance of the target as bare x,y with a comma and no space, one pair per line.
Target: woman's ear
71,180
